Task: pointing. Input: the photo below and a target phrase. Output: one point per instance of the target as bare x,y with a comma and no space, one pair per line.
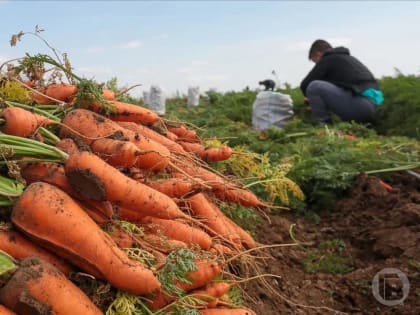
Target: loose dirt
372,228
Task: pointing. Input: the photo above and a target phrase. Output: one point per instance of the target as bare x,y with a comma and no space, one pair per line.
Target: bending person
340,84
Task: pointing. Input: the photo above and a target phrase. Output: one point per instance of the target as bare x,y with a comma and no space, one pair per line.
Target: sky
222,45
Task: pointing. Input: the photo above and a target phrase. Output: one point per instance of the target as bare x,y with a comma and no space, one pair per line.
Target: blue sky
225,45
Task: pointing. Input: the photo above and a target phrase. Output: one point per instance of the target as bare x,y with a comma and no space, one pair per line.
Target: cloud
197,63
3,2
132,44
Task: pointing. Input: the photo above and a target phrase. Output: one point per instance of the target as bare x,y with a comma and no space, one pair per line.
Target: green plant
329,257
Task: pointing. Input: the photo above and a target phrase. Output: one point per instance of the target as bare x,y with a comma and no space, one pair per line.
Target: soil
374,227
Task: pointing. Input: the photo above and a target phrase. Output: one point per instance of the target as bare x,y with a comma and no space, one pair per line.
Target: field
107,207
351,226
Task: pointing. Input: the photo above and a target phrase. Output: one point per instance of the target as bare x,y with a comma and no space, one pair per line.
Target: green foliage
400,112
7,266
330,257
325,159
178,264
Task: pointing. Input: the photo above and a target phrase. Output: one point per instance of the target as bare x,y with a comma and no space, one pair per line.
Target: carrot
178,231
155,136
206,272
50,216
86,126
68,145
121,238
95,215
184,134
171,136
386,186
246,239
62,92
5,311
128,112
222,188
164,244
193,147
220,249
20,122
116,152
54,174
217,154
209,178
48,172
212,291
238,195
37,287
128,214
108,95
40,98
19,247
206,211
173,187
226,311
95,179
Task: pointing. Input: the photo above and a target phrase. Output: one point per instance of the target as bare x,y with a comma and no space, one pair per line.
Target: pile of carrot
125,182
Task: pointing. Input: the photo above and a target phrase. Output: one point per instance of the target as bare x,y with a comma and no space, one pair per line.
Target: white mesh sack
193,96
157,100
271,109
146,98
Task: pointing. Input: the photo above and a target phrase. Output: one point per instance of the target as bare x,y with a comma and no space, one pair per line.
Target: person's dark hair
319,45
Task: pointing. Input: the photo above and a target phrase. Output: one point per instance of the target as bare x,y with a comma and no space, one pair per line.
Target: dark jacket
337,66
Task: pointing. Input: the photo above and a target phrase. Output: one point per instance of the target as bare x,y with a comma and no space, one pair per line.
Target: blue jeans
326,98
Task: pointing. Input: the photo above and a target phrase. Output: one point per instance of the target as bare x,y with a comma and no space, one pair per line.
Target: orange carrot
164,244
37,287
128,214
193,147
5,311
62,92
19,247
226,311
121,238
222,188
86,126
206,272
40,98
217,154
239,195
108,95
173,187
68,145
50,216
205,210
155,136
178,231
220,249
54,174
171,136
22,123
116,152
95,179
246,239
128,112
212,291
386,186
184,134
